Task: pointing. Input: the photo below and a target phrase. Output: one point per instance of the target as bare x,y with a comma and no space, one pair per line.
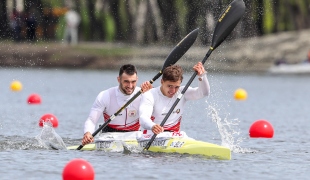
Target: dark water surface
69,94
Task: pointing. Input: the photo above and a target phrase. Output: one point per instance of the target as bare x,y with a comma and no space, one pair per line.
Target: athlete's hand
146,86
199,69
88,138
156,129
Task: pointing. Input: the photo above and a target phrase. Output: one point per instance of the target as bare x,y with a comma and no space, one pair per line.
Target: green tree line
153,21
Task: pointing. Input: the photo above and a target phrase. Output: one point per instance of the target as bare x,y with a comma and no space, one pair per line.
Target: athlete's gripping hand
88,138
156,129
146,86
199,69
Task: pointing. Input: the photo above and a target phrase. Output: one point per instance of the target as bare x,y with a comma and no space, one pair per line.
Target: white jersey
109,102
154,105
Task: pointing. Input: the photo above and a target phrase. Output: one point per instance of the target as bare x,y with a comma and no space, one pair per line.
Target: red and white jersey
154,105
109,102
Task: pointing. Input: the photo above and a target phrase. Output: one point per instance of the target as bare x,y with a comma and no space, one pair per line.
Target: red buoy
261,129
48,118
34,99
78,169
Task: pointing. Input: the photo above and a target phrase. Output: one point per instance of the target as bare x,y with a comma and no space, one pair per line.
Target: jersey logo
132,113
176,111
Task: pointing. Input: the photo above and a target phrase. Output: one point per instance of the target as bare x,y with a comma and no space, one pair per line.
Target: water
69,94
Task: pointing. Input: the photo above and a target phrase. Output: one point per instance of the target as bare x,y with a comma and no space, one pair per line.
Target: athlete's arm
96,111
146,110
203,88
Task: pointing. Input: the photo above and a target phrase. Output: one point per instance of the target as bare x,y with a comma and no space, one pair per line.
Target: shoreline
240,55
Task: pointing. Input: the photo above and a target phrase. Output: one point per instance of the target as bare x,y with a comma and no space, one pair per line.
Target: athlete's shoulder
152,91
148,94
107,93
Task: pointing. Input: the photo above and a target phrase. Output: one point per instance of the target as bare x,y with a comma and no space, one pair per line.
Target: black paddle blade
227,22
181,48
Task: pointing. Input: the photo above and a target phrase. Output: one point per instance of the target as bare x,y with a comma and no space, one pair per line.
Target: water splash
49,138
18,143
228,132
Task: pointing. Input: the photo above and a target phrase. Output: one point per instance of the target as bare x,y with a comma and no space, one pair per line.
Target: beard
127,91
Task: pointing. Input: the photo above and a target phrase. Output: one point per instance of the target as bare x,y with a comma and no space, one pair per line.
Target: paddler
111,100
156,103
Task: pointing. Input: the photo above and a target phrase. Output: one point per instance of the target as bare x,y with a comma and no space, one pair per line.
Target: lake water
69,94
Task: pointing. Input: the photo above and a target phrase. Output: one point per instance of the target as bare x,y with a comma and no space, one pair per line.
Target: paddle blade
181,48
227,22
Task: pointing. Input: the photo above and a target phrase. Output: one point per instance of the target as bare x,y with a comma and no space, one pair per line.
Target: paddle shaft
177,100
120,110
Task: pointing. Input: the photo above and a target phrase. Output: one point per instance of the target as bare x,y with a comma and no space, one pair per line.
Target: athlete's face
169,88
127,83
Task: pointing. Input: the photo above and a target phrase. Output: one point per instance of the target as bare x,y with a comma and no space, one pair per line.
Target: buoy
48,118
78,169
34,99
261,129
16,86
240,94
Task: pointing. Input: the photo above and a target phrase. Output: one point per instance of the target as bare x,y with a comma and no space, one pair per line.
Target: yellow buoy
240,94
16,86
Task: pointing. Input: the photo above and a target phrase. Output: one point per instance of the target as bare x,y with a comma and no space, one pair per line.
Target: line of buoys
261,129
36,99
48,118
240,94
78,169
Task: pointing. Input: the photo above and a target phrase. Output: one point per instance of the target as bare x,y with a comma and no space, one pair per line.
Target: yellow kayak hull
173,145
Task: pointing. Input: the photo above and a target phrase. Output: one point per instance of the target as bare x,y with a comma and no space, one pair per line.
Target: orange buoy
34,99
48,118
16,86
261,129
78,169
240,94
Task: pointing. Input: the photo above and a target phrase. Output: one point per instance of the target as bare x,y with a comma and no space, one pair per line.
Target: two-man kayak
165,144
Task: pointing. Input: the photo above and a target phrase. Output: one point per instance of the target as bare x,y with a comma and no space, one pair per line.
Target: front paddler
111,100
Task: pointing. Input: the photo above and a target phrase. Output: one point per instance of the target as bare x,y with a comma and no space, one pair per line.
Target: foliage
268,17
174,20
109,27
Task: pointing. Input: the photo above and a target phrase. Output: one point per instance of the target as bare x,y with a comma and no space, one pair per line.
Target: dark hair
128,69
173,73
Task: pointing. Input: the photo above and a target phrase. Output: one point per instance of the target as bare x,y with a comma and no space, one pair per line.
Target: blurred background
147,23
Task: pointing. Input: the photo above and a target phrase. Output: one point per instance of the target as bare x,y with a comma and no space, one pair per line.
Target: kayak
300,68
116,142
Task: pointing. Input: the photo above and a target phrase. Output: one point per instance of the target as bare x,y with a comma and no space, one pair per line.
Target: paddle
226,23
178,51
